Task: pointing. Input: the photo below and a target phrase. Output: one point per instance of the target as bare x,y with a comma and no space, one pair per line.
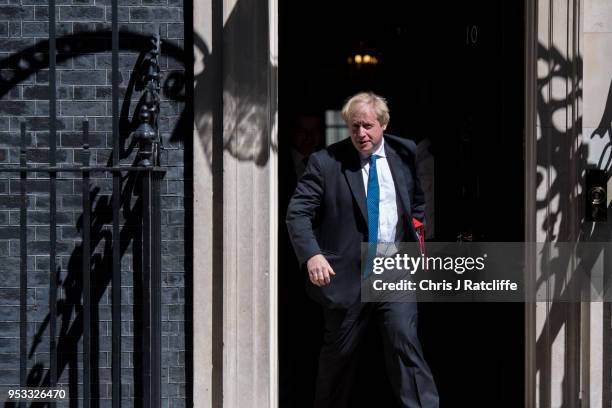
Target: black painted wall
84,93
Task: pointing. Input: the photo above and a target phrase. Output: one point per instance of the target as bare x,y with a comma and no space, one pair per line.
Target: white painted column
202,207
597,50
572,35
235,115
559,171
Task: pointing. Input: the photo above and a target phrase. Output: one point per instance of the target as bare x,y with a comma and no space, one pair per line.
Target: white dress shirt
387,207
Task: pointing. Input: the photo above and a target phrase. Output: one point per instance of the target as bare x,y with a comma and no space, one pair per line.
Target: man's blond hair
381,110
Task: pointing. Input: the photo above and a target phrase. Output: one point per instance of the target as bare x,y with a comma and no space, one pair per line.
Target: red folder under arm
419,227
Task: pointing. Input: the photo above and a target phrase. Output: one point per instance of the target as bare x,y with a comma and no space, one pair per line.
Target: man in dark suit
362,189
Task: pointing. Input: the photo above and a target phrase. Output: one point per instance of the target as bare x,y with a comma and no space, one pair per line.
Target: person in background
300,320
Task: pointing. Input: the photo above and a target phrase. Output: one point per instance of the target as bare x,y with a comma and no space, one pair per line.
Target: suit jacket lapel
399,177
352,172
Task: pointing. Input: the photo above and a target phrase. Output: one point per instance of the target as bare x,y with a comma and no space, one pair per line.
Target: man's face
366,131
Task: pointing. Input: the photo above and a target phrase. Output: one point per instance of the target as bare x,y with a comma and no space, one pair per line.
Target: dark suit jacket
327,213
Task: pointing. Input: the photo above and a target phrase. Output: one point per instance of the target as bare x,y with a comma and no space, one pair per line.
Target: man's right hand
319,270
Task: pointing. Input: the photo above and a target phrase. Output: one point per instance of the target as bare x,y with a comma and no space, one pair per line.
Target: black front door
453,74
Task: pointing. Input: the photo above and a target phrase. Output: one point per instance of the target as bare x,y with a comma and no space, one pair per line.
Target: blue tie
373,198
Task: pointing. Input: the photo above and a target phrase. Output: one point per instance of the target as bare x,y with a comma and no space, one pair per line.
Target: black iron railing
150,177
147,170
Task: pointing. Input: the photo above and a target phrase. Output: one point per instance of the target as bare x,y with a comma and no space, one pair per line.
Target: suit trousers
409,374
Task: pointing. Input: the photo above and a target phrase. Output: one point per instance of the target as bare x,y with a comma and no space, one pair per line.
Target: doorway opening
454,78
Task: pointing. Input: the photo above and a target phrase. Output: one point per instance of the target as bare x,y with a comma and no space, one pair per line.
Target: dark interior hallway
454,75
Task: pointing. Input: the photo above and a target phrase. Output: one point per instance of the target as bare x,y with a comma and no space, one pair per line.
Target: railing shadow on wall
245,112
554,149
70,307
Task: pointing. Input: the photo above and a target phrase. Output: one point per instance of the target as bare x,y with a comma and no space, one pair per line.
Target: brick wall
83,88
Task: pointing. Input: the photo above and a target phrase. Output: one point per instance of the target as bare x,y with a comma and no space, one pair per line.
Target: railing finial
147,133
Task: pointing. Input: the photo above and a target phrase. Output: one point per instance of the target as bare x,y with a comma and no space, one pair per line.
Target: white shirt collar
380,152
